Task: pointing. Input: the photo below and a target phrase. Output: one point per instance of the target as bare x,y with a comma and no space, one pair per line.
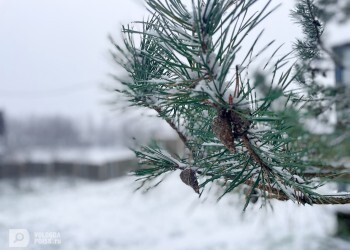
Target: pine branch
181,135
309,16
317,26
254,134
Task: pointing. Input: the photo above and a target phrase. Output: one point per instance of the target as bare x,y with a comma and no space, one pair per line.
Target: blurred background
64,146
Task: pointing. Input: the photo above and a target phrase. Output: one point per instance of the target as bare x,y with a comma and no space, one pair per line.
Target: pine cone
188,176
239,122
222,128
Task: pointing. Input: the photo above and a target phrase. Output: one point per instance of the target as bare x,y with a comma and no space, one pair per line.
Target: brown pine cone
222,128
188,176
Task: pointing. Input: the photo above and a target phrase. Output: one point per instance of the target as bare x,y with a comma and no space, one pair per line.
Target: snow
167,156
212,144
111,216
344,162
207,87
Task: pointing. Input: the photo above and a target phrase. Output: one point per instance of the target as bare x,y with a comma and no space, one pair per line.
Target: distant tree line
58,131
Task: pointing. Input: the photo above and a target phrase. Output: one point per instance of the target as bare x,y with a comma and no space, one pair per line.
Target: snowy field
110,215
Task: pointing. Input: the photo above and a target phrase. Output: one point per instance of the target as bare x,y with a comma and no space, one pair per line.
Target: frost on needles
190,64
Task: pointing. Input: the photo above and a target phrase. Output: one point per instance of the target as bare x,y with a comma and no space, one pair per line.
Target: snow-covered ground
110,216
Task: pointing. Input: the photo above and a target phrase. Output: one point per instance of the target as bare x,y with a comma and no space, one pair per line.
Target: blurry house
2,135
342,78
342,70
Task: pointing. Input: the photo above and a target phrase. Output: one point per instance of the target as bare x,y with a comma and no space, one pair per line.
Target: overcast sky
54,54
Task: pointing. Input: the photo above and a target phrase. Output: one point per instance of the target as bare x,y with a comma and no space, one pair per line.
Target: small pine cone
254,197
240,123
222,128
188,176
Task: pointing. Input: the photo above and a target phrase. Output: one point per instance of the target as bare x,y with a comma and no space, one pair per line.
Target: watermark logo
47,238
19,238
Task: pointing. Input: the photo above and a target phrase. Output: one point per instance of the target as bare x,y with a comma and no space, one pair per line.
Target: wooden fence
90,171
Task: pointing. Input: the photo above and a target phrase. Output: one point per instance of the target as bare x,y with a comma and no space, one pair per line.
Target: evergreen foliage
238,130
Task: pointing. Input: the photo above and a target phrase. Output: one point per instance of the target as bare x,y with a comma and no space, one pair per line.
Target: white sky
54,54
